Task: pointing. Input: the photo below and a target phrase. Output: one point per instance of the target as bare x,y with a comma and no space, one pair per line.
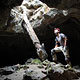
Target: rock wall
5,8
38,13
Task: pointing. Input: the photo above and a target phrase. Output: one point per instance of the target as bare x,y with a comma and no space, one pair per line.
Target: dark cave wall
72,30
5,8
11,3
15,48
52,3
62,4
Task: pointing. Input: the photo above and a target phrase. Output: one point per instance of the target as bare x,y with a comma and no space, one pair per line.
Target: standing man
60,46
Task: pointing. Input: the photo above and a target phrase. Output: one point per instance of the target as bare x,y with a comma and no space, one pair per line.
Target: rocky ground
34,69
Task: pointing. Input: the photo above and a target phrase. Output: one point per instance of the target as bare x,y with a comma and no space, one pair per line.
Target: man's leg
53,53
67,57
54,57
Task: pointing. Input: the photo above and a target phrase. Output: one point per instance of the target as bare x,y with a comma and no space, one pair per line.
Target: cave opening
18,47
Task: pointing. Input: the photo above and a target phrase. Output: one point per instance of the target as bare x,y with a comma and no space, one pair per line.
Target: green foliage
36,61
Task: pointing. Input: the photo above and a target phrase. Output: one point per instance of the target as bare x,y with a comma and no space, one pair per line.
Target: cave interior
17,47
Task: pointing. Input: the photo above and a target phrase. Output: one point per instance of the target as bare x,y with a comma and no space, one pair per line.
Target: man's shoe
68,66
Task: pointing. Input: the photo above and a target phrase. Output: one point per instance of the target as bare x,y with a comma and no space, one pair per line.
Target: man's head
56,30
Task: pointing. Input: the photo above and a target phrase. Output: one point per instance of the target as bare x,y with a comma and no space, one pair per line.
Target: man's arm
56,44
65,44
65,41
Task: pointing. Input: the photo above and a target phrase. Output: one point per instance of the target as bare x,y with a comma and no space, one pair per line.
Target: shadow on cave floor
15,48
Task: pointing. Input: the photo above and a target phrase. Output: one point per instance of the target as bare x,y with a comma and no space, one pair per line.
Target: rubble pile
34,69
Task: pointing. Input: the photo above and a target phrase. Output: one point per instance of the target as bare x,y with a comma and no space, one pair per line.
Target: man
60,46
